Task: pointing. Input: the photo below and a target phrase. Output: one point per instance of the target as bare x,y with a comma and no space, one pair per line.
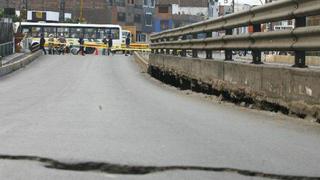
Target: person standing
81,43
42,43
128,41
110,44
105,43
62,44
51,44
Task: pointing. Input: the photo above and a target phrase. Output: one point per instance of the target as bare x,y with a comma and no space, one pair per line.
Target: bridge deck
102,109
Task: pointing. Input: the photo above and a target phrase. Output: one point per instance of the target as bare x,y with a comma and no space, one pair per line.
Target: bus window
90,33
36,31
75,32
63,31
115,33
49,30
102,33
25,30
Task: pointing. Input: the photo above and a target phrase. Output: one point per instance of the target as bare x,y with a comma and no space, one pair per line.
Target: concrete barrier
6,69
142,62
310,60
291,90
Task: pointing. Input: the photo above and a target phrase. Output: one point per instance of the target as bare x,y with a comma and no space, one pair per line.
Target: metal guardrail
6,49
299,40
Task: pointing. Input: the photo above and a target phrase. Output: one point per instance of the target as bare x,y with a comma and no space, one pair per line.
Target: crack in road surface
142,170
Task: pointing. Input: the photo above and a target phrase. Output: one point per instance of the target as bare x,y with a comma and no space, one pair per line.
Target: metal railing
6,49
300,39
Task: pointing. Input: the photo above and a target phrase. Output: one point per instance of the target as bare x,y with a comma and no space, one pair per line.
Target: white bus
92,33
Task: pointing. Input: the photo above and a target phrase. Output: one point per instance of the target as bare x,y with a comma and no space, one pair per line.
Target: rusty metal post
228,53
256,53
194,51
209,52
300,55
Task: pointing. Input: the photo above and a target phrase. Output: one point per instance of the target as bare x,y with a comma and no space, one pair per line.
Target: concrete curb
9,68
141,62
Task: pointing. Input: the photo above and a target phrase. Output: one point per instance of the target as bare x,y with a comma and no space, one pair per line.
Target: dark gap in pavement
143,170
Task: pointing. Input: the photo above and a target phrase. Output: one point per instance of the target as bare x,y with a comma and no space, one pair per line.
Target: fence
6,49
6,38
299,40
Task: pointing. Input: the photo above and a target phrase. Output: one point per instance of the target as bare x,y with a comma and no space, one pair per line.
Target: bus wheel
34,46
89,50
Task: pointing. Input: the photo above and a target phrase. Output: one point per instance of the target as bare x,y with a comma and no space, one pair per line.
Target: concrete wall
310,60
296,89
6,69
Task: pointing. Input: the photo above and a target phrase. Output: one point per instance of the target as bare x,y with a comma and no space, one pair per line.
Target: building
176,13
93,10
133,15
213,9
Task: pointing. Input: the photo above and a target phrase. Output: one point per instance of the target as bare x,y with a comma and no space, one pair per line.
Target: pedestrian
42,43
128,41
105,43
81,43
51,44
62,44
110,44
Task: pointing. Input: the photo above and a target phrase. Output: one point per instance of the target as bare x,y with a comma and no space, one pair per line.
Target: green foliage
1,13
15,18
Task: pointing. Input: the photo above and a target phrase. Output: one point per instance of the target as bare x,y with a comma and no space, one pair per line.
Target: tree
1,13
14,18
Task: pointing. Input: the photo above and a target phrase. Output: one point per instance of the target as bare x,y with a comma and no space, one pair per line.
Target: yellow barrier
133,47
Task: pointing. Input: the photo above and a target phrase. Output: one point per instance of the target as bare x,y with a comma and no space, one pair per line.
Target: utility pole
81,11
233,6
62,10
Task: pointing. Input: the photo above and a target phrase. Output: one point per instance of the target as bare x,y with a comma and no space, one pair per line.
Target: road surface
71,117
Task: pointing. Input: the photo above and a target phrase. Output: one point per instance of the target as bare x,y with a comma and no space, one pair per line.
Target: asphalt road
61,112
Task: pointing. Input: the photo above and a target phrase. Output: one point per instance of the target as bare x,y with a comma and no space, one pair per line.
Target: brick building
175,13
93,10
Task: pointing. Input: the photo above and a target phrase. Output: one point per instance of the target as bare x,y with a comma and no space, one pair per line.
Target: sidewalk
12,58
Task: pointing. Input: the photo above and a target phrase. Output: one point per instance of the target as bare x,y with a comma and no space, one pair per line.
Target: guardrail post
228,53
162,50
300,56
183,51
194,51
256,54
208,52
174,52
152,49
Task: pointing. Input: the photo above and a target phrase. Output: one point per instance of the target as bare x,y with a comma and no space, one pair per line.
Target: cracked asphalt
102,109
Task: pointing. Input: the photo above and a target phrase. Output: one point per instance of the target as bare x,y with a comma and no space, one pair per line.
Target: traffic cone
97,52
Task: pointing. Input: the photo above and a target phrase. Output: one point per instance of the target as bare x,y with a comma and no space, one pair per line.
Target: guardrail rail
299,40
